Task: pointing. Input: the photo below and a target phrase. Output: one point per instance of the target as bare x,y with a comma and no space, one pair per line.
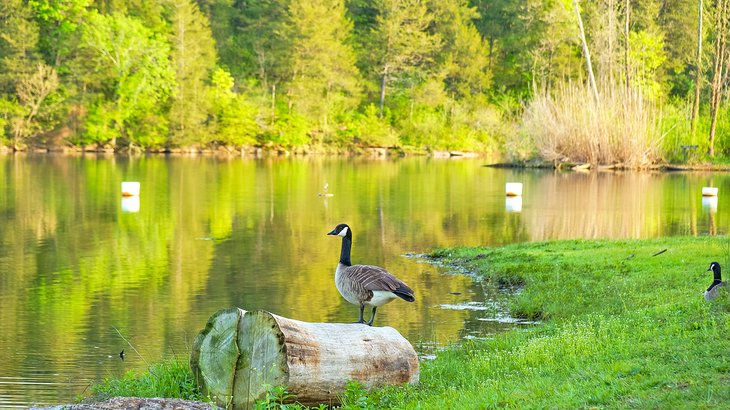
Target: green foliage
18,43
405,46
370,129
647,55
289,130
133,64
138,72
193,58
325,81
234,119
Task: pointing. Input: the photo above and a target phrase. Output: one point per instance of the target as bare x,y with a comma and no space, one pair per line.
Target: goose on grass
714,290
365,284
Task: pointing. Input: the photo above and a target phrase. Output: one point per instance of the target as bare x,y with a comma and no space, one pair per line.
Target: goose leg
372,317
362,319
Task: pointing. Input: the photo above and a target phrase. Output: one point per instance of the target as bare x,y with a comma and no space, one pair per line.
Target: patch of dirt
135,403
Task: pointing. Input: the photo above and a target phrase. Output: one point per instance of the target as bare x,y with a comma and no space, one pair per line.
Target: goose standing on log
713,291
365,284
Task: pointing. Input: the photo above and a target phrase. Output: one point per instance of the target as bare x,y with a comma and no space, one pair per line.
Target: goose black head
715,268
341,230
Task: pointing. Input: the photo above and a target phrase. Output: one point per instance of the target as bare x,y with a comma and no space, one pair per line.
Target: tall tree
404,40
33,90
528,42
698,70
463,56
586,52
678,23
721,29
193,59
252,38
18,43
325,80
133,66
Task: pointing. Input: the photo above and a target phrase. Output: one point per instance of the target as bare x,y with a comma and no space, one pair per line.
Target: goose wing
371,278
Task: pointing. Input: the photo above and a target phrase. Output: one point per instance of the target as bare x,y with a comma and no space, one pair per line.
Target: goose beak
332,232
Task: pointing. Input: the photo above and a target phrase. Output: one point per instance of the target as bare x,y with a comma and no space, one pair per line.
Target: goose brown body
365,284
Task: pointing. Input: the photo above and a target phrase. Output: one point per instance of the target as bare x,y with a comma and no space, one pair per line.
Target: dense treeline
602,81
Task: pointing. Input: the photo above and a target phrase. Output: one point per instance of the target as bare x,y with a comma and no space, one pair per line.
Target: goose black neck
345,251
718,277
714,283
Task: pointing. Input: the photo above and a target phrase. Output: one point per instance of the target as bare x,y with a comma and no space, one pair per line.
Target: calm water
79,273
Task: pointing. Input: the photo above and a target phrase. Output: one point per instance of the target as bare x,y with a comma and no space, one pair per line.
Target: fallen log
241,354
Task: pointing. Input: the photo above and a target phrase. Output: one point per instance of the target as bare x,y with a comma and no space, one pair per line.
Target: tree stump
240,355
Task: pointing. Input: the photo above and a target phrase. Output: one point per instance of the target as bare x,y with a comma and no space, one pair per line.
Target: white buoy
513,204
709,191
130,188
130,204
513,188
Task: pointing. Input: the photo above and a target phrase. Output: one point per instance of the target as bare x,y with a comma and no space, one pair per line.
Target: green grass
171,378
620,329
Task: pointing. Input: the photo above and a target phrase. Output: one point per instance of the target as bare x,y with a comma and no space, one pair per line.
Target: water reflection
75,263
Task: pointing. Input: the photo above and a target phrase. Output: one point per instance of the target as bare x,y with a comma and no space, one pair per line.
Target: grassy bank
621,329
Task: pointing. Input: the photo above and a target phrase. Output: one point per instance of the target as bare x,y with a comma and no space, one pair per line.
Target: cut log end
240,355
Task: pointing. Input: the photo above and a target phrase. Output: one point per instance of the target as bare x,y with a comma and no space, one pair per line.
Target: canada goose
713,291
365,284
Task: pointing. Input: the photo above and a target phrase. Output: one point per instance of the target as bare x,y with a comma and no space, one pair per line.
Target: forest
627,82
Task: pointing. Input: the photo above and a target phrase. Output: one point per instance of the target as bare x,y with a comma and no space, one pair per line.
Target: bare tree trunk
383,83
589,66
719,64
627,67
698,73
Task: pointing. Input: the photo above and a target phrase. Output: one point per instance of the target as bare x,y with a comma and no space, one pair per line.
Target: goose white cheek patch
343,232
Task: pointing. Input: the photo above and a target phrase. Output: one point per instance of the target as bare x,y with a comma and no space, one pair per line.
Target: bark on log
240,354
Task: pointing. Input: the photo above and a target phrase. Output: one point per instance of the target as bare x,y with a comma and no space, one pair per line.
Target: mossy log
240,355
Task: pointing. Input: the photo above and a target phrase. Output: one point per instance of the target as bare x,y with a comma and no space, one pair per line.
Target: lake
85,274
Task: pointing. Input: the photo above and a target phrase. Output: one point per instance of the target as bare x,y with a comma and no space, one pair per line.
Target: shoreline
383,153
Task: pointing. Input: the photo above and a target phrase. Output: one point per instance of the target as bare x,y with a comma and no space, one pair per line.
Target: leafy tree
405,45
18,43
529,42
32,91
252,38
135,74
193,58
463,57
234,119
325,80
58,22
678,22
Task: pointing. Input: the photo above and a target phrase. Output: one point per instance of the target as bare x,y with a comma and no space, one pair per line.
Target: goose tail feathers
405,294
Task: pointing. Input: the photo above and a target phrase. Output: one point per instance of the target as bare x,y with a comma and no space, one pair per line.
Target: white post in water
513,204
710,203
709,191
130,204
130,188
513,188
